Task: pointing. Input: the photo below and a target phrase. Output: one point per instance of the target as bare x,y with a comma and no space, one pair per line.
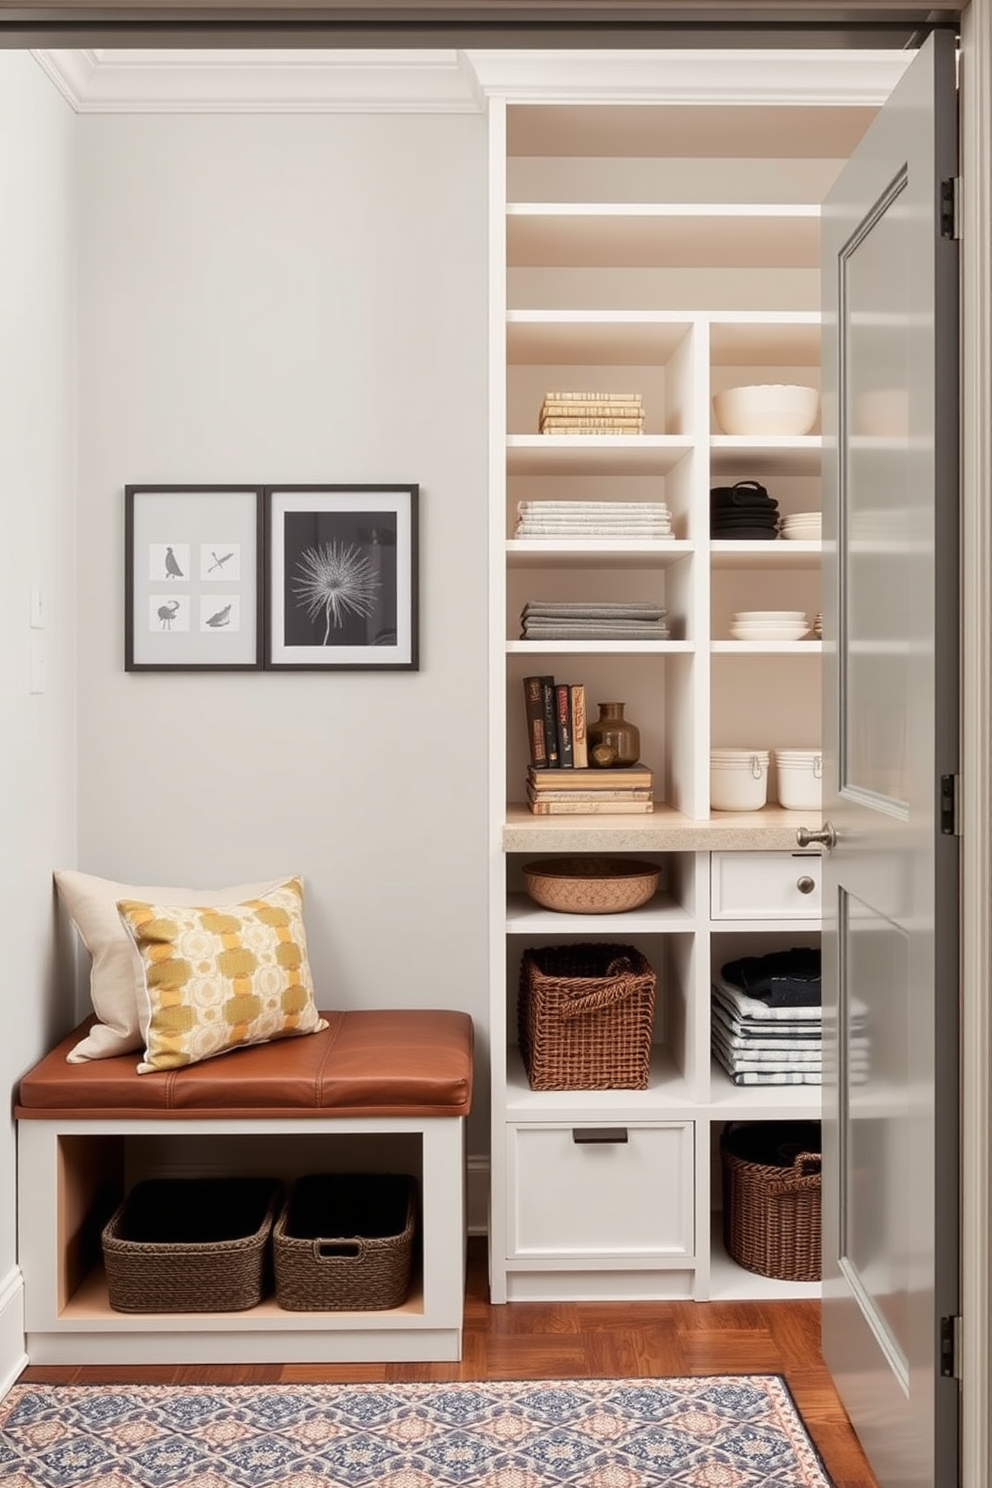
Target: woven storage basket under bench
378,1090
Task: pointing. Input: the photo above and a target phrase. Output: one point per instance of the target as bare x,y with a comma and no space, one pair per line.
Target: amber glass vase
614,742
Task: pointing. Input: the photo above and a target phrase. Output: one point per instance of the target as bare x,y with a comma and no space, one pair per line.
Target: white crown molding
693,76
242,80
420,80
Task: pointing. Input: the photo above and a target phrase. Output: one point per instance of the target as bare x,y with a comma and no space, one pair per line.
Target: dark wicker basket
344,1242
191,1244
585,1015
772,1198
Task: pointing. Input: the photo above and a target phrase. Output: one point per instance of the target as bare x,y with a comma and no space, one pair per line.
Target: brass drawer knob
805,885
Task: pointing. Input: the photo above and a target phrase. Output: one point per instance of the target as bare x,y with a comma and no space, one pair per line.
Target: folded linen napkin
644,507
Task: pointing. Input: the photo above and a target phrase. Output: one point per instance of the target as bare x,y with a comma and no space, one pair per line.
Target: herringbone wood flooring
594,1340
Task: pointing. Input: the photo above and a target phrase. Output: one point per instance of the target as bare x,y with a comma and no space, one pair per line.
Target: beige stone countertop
772,829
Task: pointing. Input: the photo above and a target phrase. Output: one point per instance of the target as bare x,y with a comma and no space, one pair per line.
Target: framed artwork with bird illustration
194,578
341,577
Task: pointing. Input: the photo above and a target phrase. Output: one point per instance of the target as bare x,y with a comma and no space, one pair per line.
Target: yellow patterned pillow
219,977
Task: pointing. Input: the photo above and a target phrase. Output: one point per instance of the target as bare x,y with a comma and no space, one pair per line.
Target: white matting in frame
193,578
342,577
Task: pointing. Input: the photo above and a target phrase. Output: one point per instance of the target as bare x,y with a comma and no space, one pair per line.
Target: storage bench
378,1090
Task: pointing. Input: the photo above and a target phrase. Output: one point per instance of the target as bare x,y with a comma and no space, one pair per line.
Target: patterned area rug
724,1431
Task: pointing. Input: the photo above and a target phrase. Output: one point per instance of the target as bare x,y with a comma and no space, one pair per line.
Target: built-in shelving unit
672,250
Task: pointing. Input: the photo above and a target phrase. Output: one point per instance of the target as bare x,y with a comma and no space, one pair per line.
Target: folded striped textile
564,532
740,1037
592,632
743,1006
629,521
739,1064
583,609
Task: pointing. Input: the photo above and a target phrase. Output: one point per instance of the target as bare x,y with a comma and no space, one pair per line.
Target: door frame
976,739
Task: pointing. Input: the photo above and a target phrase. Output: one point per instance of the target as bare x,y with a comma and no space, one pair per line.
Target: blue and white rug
725,1431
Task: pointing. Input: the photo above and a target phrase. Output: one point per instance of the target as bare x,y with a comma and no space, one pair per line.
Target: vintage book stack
591,413
560,780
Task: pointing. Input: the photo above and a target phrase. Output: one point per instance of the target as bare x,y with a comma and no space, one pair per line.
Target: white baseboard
12,1356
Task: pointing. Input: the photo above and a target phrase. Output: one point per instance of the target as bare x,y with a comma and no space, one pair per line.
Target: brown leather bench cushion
373,1062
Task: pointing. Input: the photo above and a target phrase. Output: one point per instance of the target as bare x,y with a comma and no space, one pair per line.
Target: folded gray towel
584,609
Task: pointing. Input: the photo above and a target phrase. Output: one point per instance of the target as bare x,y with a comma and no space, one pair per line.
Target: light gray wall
37,479
279,299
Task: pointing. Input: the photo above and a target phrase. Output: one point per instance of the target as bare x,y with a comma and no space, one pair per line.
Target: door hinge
950,805
950,207
950,1347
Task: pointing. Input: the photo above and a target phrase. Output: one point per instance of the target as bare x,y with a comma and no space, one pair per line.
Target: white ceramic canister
738,779
800,778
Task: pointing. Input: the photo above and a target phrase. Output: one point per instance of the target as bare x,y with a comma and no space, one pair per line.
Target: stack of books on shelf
644,520
593,620
767,1021
591,792
560,780
591,413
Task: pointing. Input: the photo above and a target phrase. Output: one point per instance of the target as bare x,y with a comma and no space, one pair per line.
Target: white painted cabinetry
670,249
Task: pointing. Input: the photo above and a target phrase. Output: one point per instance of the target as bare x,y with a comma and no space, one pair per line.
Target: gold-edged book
591,808
617,793
589,779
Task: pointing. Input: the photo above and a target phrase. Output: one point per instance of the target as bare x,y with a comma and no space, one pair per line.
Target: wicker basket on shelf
772,1198
585,1014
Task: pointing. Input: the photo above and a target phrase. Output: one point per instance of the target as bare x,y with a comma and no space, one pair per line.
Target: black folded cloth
780,979
749,494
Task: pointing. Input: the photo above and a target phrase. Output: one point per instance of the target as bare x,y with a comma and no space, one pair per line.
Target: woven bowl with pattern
591,885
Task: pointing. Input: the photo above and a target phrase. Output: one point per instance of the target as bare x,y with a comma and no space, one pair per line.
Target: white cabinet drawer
601,1190
765,885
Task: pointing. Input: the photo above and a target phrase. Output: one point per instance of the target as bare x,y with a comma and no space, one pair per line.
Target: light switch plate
37,608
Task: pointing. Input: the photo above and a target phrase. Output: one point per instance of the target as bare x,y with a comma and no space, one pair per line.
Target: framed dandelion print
194,578
341,582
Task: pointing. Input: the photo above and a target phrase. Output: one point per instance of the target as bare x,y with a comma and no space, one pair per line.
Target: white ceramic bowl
767,408
772,617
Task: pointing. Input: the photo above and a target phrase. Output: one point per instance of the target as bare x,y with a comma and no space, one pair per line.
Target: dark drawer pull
599,1134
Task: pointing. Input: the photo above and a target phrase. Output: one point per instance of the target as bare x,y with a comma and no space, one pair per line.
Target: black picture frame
342,580
194,578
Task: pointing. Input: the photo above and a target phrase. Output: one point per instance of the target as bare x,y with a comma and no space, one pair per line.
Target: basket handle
623,985
804,1173
337,1250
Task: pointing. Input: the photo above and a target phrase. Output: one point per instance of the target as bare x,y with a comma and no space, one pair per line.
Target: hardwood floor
591,1340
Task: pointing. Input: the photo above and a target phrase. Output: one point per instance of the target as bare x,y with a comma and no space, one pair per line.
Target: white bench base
65,1165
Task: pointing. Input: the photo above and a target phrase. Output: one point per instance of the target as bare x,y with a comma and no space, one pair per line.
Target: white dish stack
769,625
802,527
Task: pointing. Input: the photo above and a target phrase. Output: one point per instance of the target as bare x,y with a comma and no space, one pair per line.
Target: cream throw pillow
219,977
117,975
